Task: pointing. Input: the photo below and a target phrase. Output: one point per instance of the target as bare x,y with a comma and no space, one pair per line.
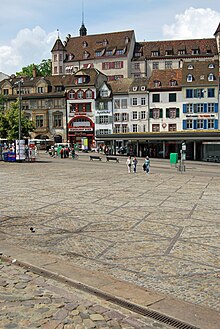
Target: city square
157,233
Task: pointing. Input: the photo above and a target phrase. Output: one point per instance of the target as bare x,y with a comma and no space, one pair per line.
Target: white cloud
29,46
194,23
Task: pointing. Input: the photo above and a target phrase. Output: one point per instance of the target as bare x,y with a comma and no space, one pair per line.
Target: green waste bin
173,158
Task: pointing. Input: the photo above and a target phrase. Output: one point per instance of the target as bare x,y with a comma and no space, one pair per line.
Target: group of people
132,163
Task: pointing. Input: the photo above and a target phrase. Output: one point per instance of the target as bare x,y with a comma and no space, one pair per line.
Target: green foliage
43,69
9,123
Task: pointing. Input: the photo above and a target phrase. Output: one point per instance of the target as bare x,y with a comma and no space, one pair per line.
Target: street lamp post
19,83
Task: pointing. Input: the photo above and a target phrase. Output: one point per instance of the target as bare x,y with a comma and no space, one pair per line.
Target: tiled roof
121,85
58,45
76,45
200,71
205,46
69,80
165,77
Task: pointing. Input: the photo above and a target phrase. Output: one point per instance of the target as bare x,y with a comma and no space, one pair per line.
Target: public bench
95,157
112,159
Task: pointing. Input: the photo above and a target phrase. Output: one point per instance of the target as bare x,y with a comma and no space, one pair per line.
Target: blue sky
29,27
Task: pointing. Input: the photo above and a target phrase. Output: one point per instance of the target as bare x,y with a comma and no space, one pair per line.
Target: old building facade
109,88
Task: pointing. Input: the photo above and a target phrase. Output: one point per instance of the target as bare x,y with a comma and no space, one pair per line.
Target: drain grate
115,300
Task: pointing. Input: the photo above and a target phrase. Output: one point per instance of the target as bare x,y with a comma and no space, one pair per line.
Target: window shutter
177,112
216,124
122,63
216,107
161,113
205,124
167,113
97,120
184,124
151,113
184,108
205,108
195,124
110,119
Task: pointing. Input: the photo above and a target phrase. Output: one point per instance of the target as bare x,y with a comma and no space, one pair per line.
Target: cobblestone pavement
31,301
159,231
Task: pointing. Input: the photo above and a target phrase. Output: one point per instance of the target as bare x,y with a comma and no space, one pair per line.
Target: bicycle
75,156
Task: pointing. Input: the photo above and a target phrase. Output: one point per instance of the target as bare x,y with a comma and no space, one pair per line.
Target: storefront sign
80,129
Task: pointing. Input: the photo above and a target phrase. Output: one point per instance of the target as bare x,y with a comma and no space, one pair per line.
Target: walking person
134,162
128,163
147,164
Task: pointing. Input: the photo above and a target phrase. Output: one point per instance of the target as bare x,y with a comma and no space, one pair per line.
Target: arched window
189,78
190,67
211,77
89,93
71,94
79,94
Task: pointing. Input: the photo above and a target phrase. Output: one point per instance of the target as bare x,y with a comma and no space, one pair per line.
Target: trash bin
5,156
173,158
11,156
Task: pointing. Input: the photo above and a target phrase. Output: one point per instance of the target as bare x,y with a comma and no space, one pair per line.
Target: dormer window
120,52
211,77
211,66
143,88
135,88
173,83
168,52
127,40
85,54
105,42
80,80
70,57
181,52
157,83
98,53
85,44
190,67
195,51
155,53
109,53
202,77
189,78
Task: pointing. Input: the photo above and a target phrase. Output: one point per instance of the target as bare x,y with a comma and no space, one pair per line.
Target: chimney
34,71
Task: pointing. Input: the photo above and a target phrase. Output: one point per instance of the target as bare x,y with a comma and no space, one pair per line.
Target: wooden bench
112,158
95,157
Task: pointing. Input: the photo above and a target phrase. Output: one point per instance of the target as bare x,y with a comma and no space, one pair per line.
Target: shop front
81,132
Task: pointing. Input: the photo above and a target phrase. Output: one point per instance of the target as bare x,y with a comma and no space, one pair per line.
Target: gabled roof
165,76
58,45
205,46
118,40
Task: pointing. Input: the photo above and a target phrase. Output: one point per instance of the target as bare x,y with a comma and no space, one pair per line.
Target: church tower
58,55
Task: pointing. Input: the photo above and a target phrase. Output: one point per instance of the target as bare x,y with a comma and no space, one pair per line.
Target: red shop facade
79,128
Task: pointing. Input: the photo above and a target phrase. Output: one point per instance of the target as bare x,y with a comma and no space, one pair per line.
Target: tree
43,69
9,123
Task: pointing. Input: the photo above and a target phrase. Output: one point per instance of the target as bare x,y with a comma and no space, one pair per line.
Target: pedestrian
134,162
128,163
147,164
